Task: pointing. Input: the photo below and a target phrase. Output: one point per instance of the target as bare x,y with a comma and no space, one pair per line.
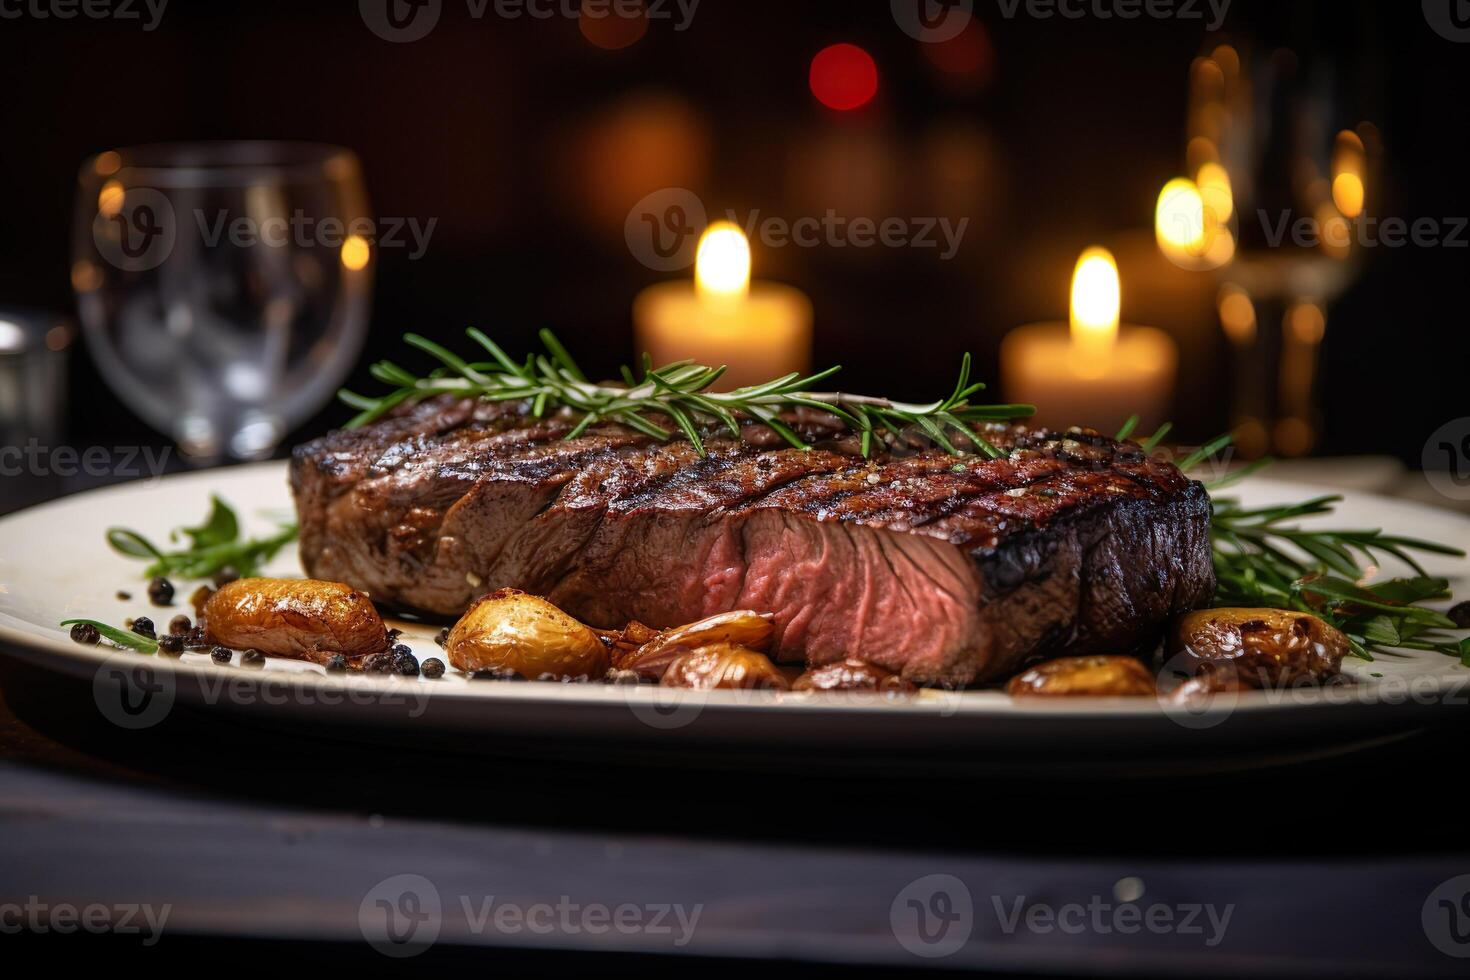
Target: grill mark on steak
944,569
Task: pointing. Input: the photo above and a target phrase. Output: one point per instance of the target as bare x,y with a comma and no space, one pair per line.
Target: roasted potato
724,666
1084,677
510,631
1263,647
302,618
852,675
740,628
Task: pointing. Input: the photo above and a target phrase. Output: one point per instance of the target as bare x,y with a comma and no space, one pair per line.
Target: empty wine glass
224,287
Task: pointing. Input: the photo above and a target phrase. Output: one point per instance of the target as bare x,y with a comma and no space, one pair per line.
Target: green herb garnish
123,638
1263,558
213,545
679,393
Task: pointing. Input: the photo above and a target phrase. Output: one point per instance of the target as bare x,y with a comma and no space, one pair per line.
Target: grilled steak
945,569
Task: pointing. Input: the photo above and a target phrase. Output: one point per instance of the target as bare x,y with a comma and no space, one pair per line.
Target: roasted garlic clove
510,631
724,666
302,618
741,628
1263,647
1083,677
852,675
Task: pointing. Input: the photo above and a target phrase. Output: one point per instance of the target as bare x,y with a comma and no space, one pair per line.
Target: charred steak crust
945,569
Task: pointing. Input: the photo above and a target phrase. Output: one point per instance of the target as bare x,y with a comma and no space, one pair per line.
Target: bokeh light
844,77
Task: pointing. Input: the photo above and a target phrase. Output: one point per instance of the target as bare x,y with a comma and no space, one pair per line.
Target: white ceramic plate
55,565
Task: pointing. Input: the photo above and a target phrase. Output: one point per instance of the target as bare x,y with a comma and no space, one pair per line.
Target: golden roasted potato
741,628
852,675
1084,677
303,618
725,666
1262,646
511,631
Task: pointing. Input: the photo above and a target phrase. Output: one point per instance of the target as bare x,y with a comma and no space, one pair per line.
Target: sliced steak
944,569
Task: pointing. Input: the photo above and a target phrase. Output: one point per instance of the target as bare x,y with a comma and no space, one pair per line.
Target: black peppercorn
406,664
252,658
161,592
226,575
1460,614
85,633
143,626
433,668
380,663
443,636
197,639
123,596
221,655
180,624
171,643
337,664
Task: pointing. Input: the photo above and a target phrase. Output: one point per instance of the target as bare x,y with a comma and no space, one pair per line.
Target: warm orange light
1307,323
722,263
356,253
110,198
1214,189
1179,217
1348,194
1096,300
1237,314
107,163
612,29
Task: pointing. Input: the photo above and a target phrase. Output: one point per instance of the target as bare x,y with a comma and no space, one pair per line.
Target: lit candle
1092,371
759,330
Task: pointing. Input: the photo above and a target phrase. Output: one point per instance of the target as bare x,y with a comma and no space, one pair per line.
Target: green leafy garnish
1262,557
123,638
213,545
680,393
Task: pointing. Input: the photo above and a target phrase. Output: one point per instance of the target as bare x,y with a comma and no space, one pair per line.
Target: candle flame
1096,300
722,262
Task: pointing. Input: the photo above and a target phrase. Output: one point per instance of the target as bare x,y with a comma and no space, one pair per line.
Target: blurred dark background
528,143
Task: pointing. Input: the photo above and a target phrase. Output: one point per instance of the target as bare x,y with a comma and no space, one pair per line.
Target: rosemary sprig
213,545
1262,557
126,639
679,393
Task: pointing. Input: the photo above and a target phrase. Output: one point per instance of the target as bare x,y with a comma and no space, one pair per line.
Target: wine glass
224,287
1283,167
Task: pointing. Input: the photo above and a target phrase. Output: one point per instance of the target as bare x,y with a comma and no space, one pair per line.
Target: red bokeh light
844,77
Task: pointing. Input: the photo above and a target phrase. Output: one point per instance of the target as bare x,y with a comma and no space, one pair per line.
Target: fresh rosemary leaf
682,392
123,638
1127,429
